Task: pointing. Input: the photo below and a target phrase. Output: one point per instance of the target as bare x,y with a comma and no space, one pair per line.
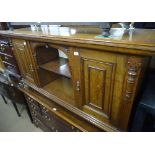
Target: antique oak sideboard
76,80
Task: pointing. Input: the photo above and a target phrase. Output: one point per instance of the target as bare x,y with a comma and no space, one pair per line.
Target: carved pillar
134,68
133,71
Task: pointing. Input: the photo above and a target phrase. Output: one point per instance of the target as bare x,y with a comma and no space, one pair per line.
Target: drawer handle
12,84
33,107
47,118
44,109
54,109
46,46
33,113
6,58
30,99
36,122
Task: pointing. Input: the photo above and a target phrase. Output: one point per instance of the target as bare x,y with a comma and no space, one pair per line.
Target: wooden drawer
6,49
8,59
54,122
39,124
33,105
12,68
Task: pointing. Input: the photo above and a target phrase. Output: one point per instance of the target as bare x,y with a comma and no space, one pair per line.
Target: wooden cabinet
24,59
92,80
89,81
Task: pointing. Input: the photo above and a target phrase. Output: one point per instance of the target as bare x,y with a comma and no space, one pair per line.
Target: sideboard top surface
143,39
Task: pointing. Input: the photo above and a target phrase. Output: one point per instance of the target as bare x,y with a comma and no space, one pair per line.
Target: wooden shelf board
62,88
59,66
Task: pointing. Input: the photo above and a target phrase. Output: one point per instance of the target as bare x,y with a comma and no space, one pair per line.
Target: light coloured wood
24,60
62,88
105,73
130,39
59,66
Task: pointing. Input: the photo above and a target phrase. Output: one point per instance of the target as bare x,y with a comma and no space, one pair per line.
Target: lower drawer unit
47,117
51,121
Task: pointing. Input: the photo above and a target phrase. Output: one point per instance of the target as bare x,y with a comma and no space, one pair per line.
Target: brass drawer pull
30,99
54,109
44,109
33,107
33,113
36,122
47,118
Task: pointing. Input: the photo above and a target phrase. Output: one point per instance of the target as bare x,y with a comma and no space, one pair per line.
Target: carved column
133,71
134,66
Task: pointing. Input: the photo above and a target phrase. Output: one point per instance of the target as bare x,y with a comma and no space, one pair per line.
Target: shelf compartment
59,66
61,88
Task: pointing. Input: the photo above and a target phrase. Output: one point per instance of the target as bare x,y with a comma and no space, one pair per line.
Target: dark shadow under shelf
59,66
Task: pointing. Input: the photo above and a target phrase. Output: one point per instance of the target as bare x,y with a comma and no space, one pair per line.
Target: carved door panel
93,76
24,59
98,85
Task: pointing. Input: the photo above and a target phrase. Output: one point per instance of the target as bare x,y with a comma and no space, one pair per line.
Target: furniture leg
15,106
4,99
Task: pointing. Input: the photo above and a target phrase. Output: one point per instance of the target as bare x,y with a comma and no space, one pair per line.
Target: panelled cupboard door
98,83
24,59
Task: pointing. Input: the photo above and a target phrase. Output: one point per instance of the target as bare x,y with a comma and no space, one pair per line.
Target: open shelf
61,88
59,66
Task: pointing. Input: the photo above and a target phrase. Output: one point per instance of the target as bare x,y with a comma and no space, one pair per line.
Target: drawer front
8,59
56,123
39,124
12,68
6,49
33,105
